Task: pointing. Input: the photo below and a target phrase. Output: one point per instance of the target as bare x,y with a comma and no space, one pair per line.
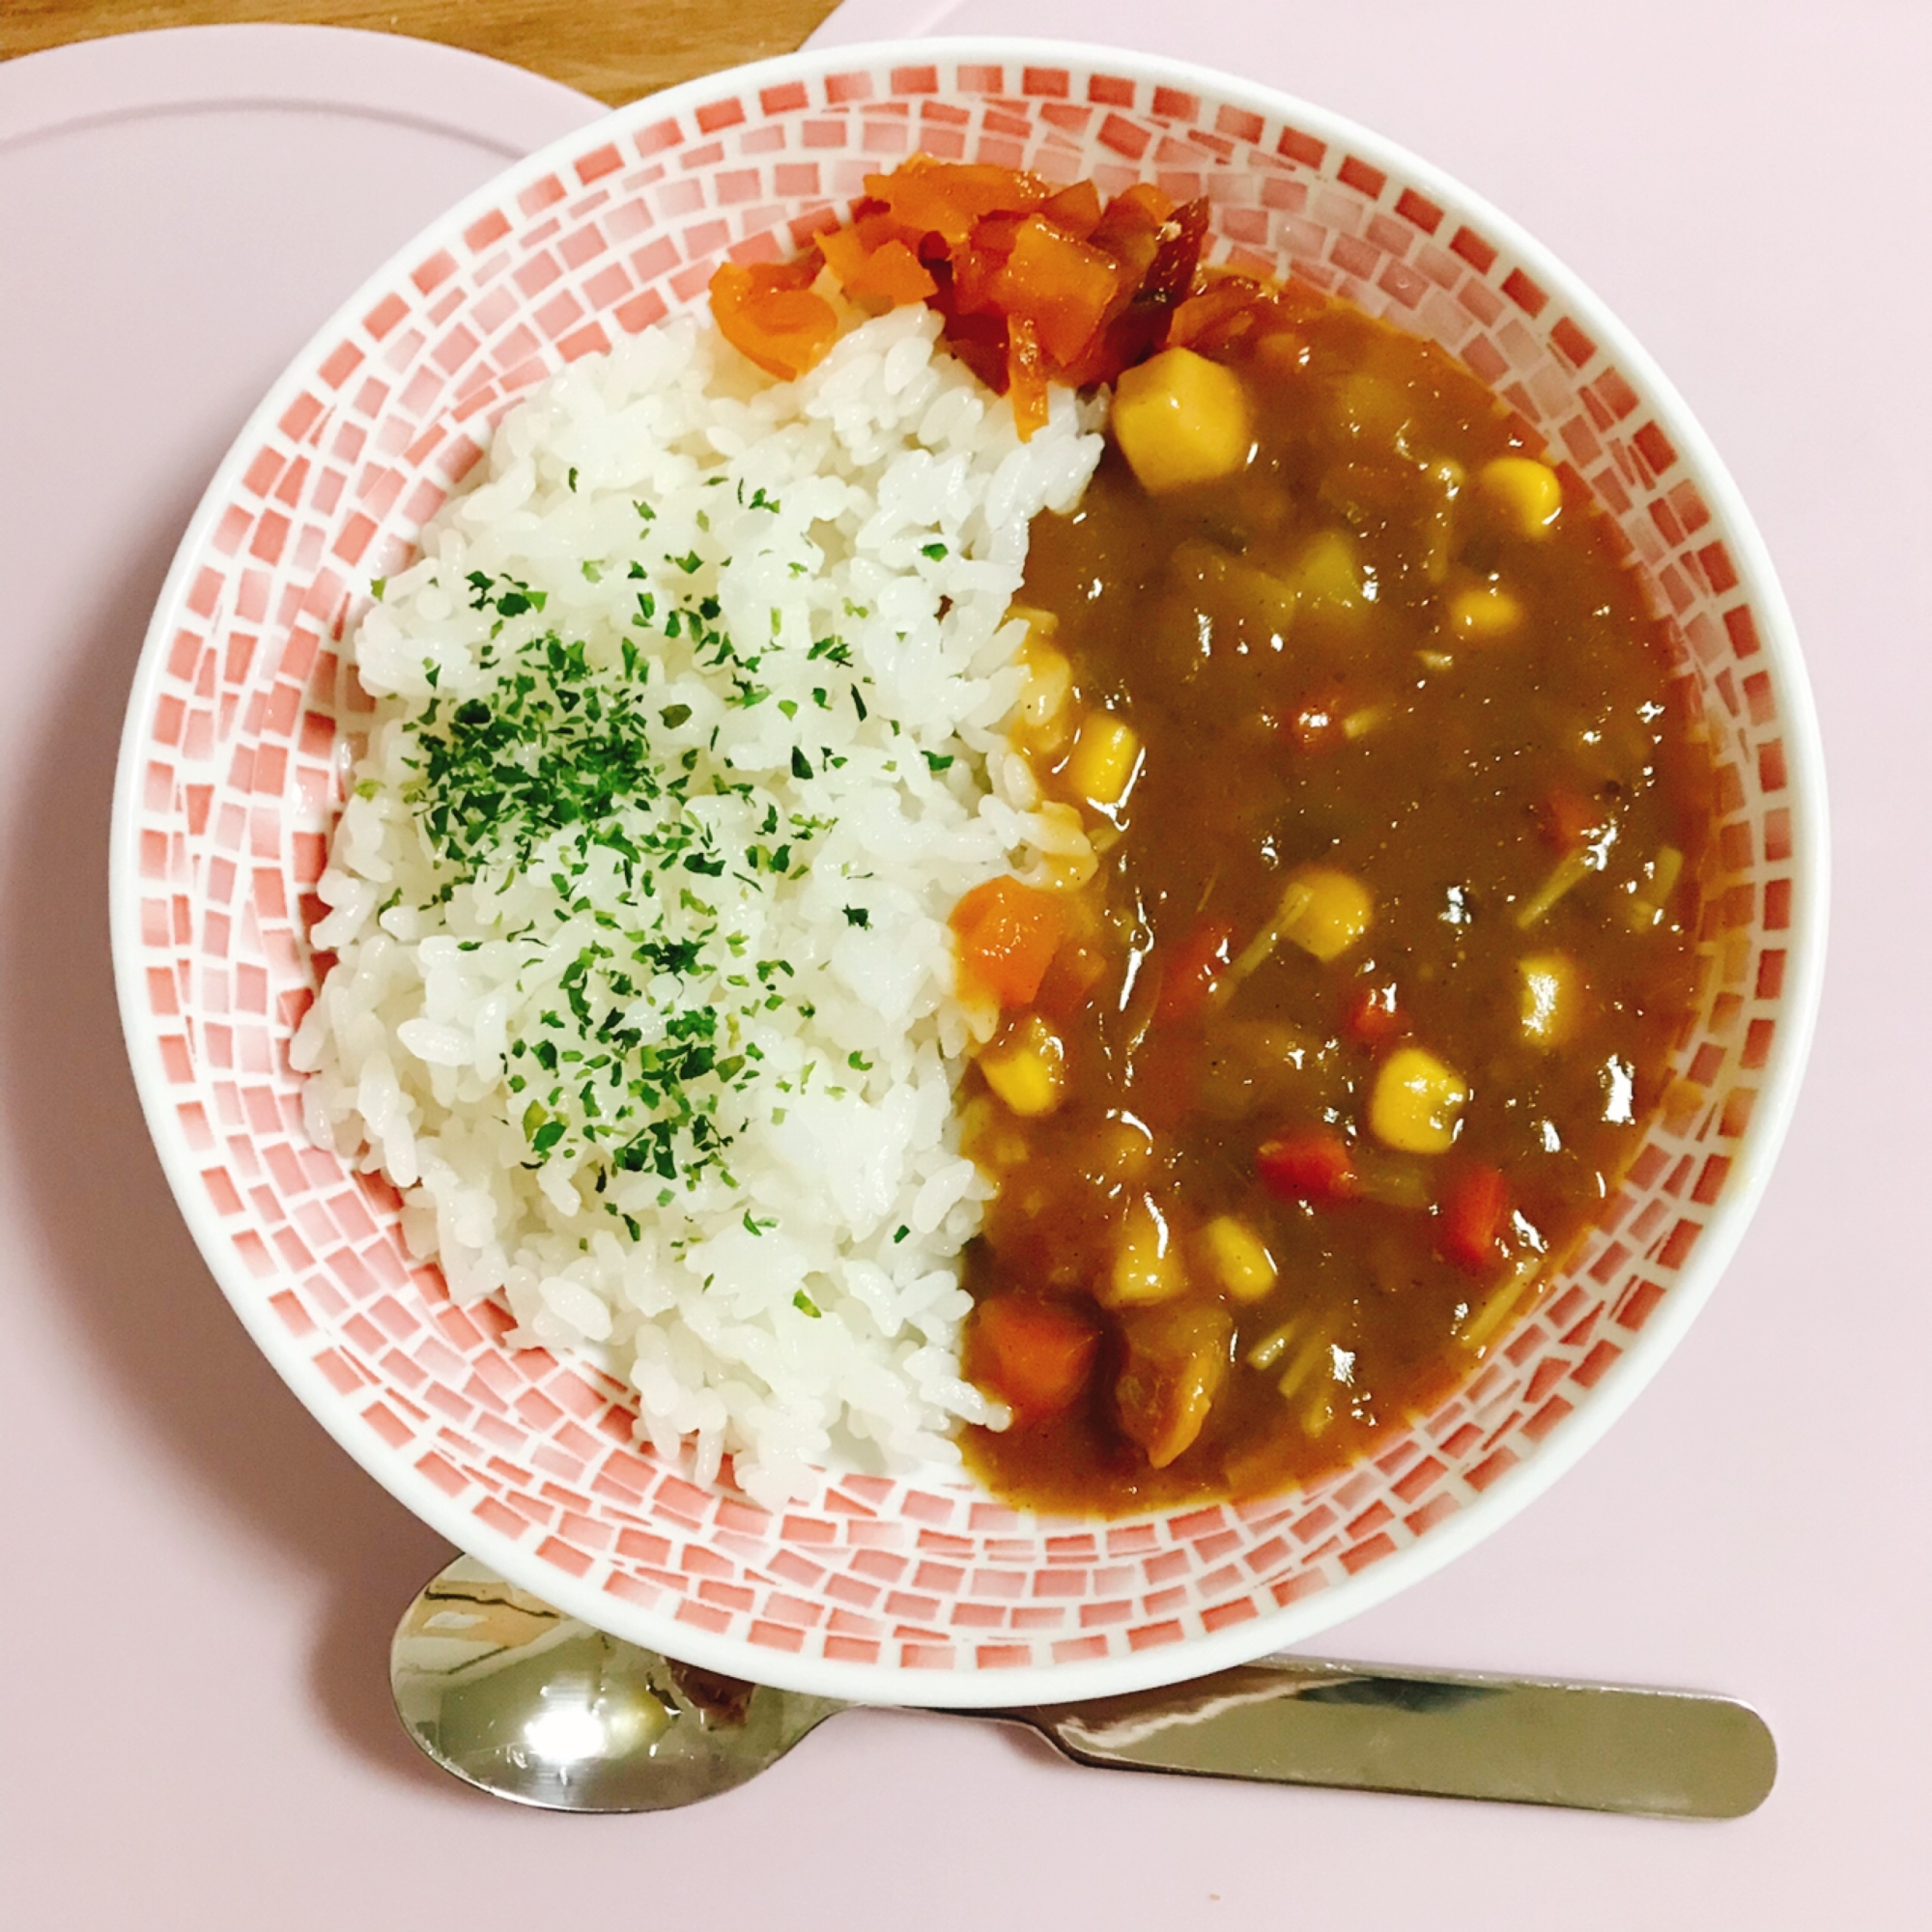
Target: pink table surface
194,1723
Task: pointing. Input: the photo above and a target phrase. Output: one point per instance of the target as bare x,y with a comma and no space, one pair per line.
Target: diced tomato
1374,1016
1568,820
1033,1355
767,314
1189,977
1008,934
1472,1215
1026,377
1312,1165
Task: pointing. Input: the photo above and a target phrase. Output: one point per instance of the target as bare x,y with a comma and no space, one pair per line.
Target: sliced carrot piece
1007,935
1035,1357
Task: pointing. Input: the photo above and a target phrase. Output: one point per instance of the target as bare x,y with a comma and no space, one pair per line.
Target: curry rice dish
1301,911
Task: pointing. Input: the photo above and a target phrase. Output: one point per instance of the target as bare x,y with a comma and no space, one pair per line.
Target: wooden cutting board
613,49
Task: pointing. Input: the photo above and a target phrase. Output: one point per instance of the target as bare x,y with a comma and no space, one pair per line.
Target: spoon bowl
522,1701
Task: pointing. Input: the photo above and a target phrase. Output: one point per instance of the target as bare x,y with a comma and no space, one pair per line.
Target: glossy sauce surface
1357,656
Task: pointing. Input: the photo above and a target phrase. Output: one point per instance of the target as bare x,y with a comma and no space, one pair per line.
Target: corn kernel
1028,1072
1525,492
1244,1267
1551,997
1106,756
1484,612
1417,1102
1146,1266
1330,911
1181,419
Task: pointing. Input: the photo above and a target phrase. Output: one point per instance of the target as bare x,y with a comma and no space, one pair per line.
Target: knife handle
1303,1720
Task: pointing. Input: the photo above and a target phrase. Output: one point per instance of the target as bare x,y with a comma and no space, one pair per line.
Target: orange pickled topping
845,250
1076,210
1026,375
1220,315
885,272
1059,284
946,198
1007,935
894,276
765,314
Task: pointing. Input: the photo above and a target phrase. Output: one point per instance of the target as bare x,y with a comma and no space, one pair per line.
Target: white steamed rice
791,1296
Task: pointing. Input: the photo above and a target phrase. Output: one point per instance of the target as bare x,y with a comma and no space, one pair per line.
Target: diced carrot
1033,1355
1312,1165
1374,1016
1075,211
1188,980
1061,285
764,313
1008,934
1472,1215
1026,375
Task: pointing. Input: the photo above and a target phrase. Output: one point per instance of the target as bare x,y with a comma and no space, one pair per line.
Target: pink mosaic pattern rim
893,1590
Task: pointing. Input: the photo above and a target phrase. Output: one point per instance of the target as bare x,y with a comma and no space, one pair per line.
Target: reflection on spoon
527,1703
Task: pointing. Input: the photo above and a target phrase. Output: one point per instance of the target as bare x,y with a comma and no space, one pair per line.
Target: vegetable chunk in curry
1398,803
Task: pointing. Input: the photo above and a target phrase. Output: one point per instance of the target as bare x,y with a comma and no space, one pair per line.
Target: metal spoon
527,1703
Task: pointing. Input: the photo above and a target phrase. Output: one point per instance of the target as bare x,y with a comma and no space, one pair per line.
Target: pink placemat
195,1714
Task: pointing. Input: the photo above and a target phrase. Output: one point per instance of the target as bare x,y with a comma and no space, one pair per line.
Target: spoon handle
1299,1721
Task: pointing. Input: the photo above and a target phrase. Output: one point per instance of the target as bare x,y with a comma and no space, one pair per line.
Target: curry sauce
1398,803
